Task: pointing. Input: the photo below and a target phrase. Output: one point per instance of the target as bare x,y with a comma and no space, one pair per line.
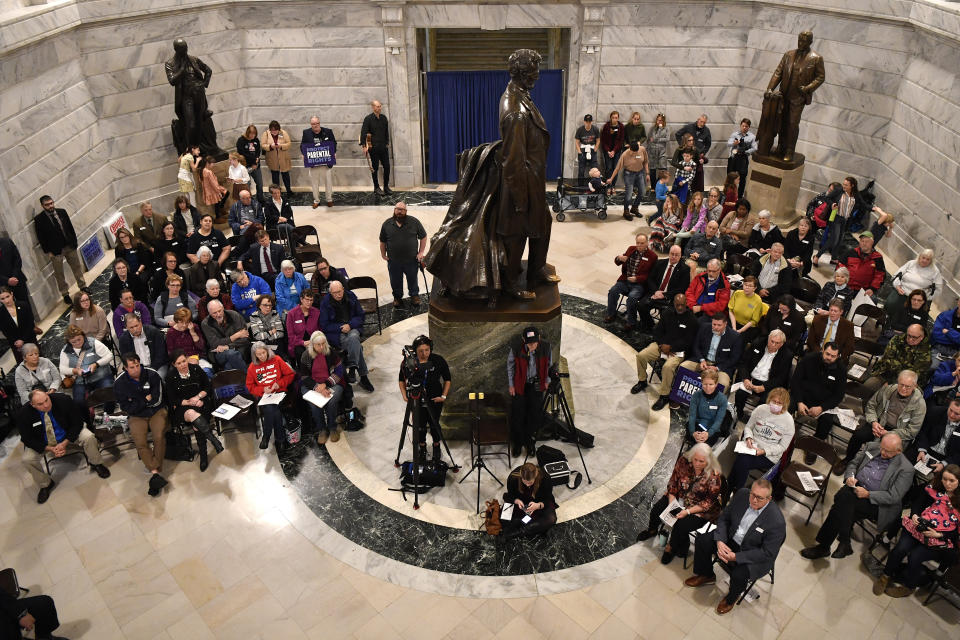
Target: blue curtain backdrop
463,111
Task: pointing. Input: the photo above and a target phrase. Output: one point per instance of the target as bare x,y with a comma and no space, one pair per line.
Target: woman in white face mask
767,435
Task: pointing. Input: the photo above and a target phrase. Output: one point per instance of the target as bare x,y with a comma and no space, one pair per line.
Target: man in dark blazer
748,537
11,270
59,241
279,215
48,424
939,436
150,337
263,258
37,613
148,224
839,328
875,483
722,355
764,366
668,277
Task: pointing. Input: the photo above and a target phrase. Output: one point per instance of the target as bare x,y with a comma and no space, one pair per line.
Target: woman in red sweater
269,373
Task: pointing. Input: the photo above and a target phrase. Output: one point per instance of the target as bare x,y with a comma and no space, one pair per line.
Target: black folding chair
370,306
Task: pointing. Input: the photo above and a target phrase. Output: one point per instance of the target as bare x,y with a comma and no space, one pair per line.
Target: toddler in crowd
681,184
662,189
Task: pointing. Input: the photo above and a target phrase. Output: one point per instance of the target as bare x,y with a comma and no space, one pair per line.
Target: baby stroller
573,194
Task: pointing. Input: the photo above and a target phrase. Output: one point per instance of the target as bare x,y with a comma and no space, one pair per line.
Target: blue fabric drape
463,111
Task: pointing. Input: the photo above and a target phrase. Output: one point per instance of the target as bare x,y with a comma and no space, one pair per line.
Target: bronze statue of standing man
191,77
798,75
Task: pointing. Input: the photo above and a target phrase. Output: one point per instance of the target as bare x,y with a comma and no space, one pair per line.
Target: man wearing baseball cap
528,365
865,265
585,139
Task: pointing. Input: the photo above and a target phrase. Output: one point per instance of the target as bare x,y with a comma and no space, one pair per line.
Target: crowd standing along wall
85,107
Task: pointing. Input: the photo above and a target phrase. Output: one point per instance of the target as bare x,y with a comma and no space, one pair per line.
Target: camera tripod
555,406
413,418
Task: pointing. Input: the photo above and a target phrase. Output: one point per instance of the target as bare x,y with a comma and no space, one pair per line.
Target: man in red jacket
635,265
709,292
865,265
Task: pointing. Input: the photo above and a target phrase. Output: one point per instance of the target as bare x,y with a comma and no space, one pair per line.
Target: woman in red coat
268,373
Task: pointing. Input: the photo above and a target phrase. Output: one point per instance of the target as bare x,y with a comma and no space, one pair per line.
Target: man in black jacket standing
703,141
11,270
312,136
378,147
139,392
58,240
672,336
48,424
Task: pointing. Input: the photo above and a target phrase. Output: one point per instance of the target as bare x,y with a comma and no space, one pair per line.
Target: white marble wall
86,108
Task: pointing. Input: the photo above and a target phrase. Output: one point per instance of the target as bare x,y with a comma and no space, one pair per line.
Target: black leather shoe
516,450
365,384
377,191
352,375
265,440
388,190
646,534
842,551
637,388
666,558
157,482
66,298
44,492
815,552
101,470
660,403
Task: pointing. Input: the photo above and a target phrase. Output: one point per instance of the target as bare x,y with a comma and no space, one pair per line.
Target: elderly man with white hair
341,318
763,367
895,408
214,291
763,235
227,337
246,218
774,274
288,286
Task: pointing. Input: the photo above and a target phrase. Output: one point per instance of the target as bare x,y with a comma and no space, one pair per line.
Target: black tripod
555,404
416,401
478,463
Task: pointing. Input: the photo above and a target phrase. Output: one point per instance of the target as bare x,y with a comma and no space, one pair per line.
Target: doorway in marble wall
465,50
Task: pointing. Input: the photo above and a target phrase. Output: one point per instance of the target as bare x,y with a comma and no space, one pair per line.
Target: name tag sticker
956,433
787,324
37,424
298,322
710,294
759,530
831,378
725,349
645,259
682,326
713,407
868,454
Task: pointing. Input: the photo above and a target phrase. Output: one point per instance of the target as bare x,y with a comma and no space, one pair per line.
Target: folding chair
10,585
805,290
948,579
309,252
227,385
370,306
115,437
750,584
790,478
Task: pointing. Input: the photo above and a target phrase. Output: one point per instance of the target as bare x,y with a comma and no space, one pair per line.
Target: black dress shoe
157,482
377,191
352,375
44,492
365,384
637,388
265,440
646,534
387,190
660,403
815,552
809,458
66,298
666,558
101,470
842,551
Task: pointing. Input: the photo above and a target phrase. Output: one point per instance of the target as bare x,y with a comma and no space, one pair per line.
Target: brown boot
880,585
335,435
322,436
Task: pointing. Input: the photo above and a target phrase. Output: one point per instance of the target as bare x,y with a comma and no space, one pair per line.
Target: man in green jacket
896,408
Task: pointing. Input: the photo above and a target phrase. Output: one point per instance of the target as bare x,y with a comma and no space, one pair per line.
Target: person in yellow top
746,310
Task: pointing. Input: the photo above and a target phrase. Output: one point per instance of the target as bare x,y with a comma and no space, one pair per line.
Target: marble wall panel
625,54
321,78
371,55
329,14
316,37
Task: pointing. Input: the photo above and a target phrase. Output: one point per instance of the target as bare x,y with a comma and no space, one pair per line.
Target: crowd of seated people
173,326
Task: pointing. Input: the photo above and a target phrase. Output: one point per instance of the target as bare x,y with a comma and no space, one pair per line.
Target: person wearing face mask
768,434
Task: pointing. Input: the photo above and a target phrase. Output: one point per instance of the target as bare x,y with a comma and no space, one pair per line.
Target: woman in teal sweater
707,409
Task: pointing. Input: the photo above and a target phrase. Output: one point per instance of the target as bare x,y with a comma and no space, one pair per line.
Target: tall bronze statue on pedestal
500,202
191,77
798,75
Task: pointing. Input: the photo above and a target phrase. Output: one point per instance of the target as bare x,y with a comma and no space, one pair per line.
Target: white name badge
713,408
711,294
298,322
759,530
831,378
787,324
725,349
36,424
682,326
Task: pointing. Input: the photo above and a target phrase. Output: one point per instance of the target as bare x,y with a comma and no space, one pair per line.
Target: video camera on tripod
415,372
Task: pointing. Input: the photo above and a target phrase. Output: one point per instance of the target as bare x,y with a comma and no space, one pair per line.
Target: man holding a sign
319,148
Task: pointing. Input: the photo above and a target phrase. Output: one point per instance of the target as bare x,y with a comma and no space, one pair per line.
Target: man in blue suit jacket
748,537
716,346
341,318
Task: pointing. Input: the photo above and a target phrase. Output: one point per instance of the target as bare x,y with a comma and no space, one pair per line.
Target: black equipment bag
179,446
546,455
586,439
354,419
554,465
431,474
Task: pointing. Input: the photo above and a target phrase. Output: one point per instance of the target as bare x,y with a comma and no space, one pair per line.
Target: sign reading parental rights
319,154
685,384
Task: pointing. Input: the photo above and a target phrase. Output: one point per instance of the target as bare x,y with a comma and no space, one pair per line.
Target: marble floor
237,552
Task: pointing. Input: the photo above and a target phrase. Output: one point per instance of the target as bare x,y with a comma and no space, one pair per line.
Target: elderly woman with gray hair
268,327
839,288
696,484
289,284
321,371
35,372
204,269
919,273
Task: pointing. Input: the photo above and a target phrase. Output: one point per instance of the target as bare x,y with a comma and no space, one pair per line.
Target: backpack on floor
179,446
491,518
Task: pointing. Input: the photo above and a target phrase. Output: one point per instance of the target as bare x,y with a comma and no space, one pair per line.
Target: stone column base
775,185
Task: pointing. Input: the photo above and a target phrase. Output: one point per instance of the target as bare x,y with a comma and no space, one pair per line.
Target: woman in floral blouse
929,533
696,484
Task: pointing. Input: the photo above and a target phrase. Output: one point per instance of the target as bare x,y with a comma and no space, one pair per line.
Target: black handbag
179,446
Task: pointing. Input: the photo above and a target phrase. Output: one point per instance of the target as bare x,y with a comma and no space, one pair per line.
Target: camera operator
430,371
528,364
742,144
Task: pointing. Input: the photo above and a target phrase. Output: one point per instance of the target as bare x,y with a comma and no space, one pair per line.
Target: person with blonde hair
768,434
238,177
187,173
695,483
248,146
322,372
530,493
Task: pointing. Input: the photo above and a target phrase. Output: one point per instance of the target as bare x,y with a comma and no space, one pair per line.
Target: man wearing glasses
748,537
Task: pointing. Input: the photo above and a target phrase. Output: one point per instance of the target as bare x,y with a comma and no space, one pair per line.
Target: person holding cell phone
530,493
696,485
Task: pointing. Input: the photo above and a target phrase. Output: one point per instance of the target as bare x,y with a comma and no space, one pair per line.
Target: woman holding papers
530,495
191,401
766,437
321,369
268,373
691,501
